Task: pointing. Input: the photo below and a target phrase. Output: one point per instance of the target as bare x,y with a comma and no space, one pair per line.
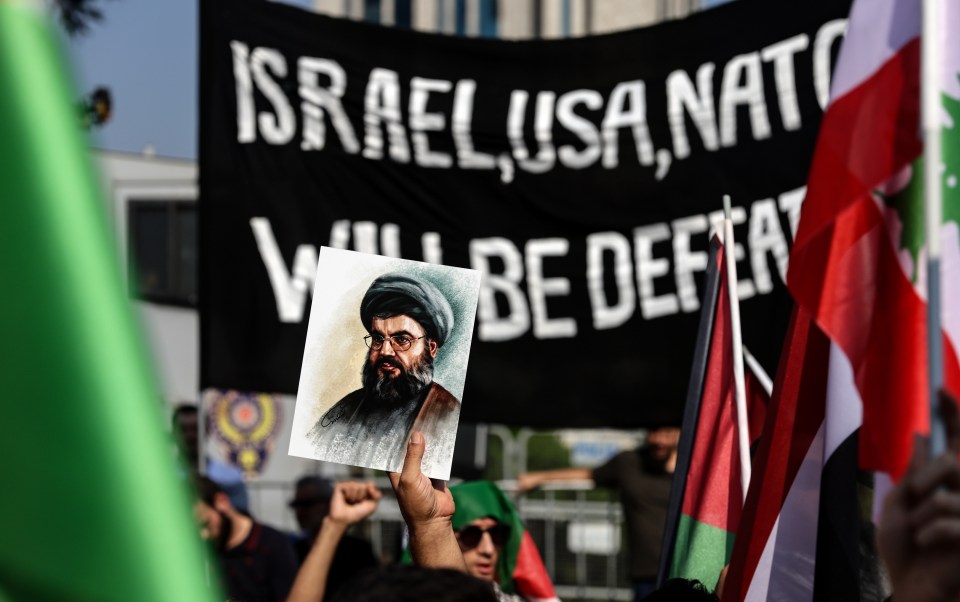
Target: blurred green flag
91,505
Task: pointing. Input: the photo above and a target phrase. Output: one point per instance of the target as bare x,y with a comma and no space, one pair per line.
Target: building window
468,18
488,18
371,11
460,17
402,14
162,239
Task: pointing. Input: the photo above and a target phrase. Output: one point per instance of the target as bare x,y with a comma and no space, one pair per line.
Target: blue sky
145,51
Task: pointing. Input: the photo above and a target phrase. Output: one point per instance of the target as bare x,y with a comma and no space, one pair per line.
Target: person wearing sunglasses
480,542
408,320
495,545
445,523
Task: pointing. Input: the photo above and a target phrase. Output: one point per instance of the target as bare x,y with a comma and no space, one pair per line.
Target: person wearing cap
313,503
255,561
408,320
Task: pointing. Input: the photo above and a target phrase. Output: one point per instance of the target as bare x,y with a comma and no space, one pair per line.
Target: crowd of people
456,549
463,539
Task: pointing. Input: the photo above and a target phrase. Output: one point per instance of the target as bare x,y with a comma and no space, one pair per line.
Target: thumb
411,463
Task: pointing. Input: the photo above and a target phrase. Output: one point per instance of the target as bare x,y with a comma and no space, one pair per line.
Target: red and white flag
855,363
857,262
802,534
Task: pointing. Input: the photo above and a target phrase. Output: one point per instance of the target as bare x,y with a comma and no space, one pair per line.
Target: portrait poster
386,354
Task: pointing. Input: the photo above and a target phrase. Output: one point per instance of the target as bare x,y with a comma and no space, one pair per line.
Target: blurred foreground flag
92,508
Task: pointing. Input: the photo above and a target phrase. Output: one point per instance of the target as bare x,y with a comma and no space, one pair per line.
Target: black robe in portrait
372,433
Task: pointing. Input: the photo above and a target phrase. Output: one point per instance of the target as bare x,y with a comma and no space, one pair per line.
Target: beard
405,386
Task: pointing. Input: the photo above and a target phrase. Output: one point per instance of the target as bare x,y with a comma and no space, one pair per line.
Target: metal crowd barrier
577,529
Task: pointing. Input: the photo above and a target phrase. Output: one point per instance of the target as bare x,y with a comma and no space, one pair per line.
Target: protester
406,583
481,534
495,545
643,478
311,505
482,523
427,507
349,503
919,534
257,563
186,430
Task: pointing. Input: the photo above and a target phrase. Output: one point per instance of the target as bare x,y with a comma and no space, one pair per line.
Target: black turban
396,294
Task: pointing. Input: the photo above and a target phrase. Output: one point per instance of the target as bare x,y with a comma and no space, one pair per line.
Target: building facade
512,19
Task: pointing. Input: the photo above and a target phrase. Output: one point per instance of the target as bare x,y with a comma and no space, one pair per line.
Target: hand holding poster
398,365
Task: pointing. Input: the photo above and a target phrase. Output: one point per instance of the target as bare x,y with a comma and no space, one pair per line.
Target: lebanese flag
702,533
851,266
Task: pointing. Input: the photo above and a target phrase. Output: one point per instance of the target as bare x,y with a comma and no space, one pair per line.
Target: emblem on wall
244,427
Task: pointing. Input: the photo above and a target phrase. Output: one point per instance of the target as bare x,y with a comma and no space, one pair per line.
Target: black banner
581,176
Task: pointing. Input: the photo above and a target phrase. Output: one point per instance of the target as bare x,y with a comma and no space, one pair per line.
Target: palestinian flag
855,392
707,488
520,569
92,508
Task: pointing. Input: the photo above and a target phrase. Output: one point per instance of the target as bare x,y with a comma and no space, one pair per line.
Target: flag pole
743,433
931,61
762,377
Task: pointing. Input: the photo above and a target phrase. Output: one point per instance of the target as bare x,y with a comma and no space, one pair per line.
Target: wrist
434,545
431,530
334,526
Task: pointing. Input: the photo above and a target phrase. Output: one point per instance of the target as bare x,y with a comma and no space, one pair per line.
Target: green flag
92,507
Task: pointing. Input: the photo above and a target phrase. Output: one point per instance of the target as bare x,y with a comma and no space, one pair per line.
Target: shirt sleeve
608,474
